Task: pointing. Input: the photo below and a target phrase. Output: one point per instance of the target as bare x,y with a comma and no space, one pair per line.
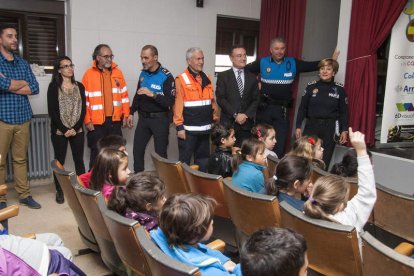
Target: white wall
127,25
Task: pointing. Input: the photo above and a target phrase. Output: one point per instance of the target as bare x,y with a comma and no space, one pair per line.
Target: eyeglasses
67,66
108,57
240,56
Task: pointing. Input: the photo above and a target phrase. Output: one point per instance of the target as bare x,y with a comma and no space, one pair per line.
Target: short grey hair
277,39
191,51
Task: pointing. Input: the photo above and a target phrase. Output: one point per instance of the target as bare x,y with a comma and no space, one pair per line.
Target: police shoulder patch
165,71
339,84
312,82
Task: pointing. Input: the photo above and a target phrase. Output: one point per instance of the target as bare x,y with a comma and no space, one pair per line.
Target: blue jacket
292,201
209,261
249,176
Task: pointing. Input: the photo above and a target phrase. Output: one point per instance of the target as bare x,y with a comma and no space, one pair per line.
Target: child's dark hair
219,132
261,131
288,170
250,147
327,194
348,167
106,168
140,189
112,142
185,218
273,251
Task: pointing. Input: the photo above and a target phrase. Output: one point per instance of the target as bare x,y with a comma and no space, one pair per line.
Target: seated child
140,199
110,170
111,142
267,134
248,166
274,251
186,220
220,161
309,147
44,255
292,179
329,197
348,167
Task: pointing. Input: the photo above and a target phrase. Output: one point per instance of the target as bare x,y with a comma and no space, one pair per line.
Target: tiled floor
56,218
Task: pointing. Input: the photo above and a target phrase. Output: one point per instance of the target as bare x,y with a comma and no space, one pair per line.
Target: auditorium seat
272,164
378,259
171,173
332,247
89,201
209,185
65,179
250,211
122,231
159,263
393,212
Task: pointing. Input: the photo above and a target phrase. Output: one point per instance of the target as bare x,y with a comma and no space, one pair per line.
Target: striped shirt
15,108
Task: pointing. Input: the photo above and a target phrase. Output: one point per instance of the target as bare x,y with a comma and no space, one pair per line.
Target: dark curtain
371,23
285,18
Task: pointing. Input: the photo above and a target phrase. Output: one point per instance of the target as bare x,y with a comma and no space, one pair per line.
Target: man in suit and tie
237,95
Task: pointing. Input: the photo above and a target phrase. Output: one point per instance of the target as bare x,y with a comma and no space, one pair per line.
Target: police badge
268,69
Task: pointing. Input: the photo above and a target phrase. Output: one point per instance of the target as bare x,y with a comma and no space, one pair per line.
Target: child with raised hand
186,220
267,134
110,170
220,161
292,179
248,166
140,199
274,251
311,148
329,197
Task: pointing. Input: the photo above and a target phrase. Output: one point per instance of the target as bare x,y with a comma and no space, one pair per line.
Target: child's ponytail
117,202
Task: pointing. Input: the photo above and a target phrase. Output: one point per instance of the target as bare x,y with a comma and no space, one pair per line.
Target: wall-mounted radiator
39,150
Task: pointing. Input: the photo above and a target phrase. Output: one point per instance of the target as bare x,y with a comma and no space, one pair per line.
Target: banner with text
398,112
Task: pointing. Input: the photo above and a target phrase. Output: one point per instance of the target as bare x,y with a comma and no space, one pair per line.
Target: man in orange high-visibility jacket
107,103
194,110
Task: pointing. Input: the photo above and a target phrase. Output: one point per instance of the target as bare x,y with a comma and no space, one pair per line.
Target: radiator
39,150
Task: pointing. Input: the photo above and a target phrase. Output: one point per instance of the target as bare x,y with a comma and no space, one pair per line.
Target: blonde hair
305,146
329,62
327,194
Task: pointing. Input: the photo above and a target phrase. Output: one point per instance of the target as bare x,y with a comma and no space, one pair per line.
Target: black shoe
59,197
30,202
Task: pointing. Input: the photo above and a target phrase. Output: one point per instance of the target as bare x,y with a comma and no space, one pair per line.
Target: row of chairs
124,246
328,242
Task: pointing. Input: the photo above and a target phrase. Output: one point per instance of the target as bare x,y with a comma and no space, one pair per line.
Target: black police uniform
325,107
154,113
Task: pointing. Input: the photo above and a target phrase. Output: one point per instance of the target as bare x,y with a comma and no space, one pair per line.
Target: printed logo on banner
404,107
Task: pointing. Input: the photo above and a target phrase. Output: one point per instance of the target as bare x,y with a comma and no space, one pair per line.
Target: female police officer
324,105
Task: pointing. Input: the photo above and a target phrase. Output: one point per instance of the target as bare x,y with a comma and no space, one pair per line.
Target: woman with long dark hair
67,107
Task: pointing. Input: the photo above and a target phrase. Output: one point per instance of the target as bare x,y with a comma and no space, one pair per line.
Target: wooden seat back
65,179
394,212
209,185
159,263
251,211
382,260
332,247
89,201
122,231
272,164
171,173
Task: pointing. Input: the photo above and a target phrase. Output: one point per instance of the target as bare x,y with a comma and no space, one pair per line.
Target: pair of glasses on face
67,66
108,57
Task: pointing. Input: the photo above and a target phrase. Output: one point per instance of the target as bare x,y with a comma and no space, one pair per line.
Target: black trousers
241,135
147,127
107,128
276,116
325,130
197,144
60,146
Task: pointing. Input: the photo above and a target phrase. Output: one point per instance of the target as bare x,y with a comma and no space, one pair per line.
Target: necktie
240,82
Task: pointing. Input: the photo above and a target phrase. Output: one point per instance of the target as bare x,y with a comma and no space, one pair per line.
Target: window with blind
232,31
41,35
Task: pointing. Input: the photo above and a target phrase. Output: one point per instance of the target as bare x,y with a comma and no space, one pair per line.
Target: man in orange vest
194,110
107,103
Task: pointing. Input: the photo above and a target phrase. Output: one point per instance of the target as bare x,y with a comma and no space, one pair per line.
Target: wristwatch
235,115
